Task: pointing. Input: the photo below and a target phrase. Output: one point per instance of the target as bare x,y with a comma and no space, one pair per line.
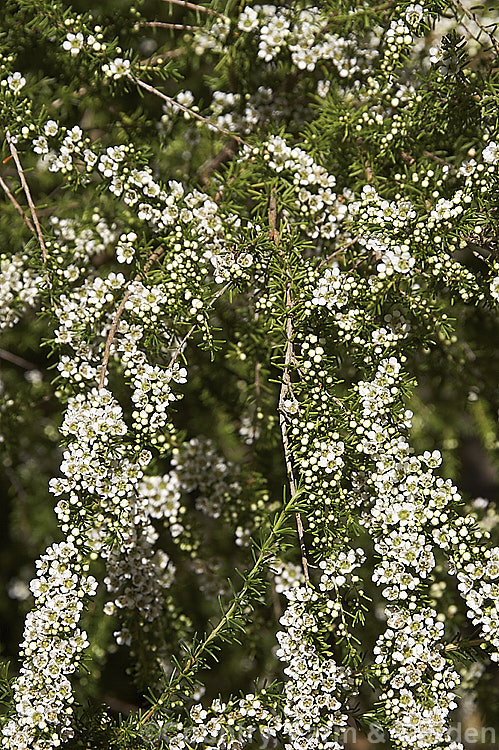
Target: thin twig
273,233
193,6
119,313
27,193
185,109
436,158
225,154
483,28
16,360
410,160
165,25
285,389
111,335
162,56
464,644
338,251
16,205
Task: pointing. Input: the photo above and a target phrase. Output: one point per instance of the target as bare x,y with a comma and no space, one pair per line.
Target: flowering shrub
249,281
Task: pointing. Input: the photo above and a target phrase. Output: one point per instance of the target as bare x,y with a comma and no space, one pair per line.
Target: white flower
40,145
494,288
291,406
322,88
117,68
248,20
51,128
73,43
90,158
186,98
491,153
413,14
436,54
16,82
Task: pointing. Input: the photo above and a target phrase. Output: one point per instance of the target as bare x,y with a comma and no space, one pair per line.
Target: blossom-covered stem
193,6
27,193
16,205
185,109
119,313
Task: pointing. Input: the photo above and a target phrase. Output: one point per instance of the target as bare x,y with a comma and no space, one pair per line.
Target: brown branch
185,109
338,251
16,205
287,388
429,155
224,155
273,233
193,6
15,360
111,335
119,312
27,193
159,58
164,25
408,158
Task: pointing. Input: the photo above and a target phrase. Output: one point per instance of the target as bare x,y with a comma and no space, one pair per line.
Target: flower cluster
200,467
232,724
316,688
304,34
322,210
476,568
52,647
159,206
95,463
420,690
245,116
74,246
336,569
19,288
333,289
